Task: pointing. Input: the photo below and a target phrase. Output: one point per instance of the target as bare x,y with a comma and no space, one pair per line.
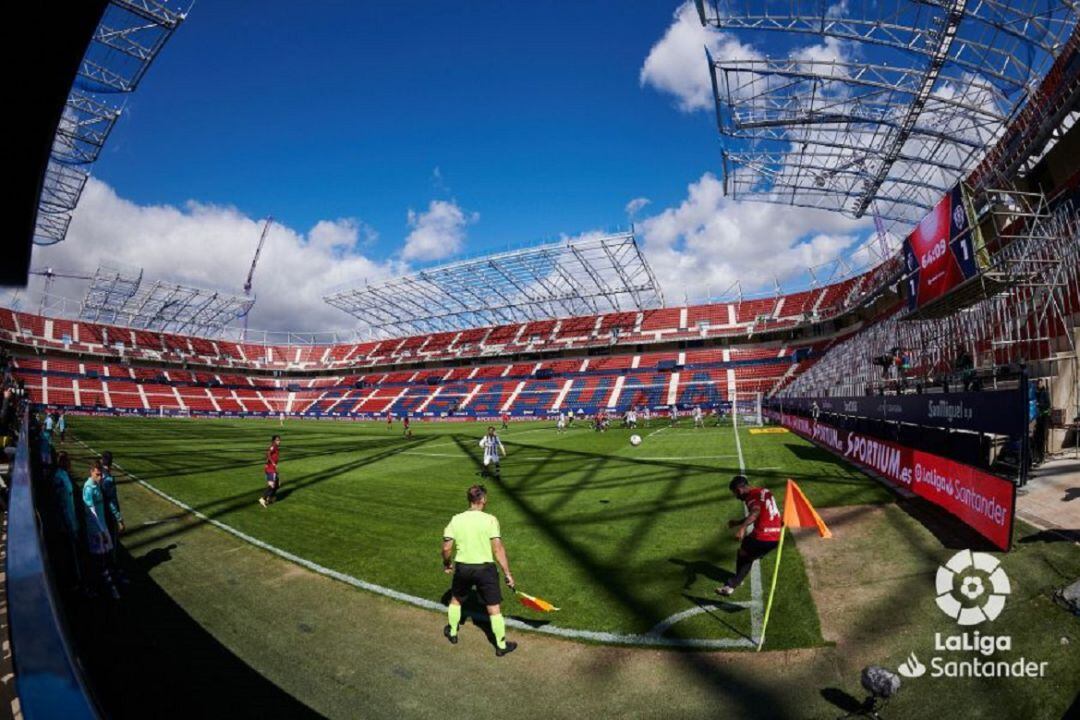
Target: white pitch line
683,457
738,442
664,625
660,430
431,454
756,608
609,638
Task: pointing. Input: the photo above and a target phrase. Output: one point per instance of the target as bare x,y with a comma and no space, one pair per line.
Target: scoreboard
939,254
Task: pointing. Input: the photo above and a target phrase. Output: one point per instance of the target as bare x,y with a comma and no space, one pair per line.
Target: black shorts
755,549
485,578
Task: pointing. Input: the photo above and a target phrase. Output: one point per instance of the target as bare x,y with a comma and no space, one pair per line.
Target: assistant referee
478,541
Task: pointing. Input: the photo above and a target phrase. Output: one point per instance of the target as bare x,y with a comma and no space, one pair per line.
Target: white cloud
636,205
708,242
212,246
676,63
341,236
437,233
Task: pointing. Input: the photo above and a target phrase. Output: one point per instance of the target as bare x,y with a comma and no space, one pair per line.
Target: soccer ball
635,439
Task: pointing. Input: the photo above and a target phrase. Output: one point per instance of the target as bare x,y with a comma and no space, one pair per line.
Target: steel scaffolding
1020,309
129,36
898,103
587,276
121,296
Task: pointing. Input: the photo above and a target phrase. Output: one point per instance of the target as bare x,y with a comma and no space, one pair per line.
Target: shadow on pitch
742,695
147,658
693,569
1051,536
220,507
473,611
842,700
713,609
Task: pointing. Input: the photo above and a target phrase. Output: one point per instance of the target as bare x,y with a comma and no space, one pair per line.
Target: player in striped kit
493,450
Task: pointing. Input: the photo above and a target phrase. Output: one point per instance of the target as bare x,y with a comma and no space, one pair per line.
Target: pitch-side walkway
1051,498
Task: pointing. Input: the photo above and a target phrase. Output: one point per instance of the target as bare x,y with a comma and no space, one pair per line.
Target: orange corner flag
798,512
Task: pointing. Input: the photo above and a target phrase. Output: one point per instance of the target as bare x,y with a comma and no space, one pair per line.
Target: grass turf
619,537
336,649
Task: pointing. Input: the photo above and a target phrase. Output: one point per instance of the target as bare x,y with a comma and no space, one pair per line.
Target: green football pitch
629,542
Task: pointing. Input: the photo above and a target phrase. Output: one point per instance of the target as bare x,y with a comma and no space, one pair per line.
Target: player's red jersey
768,525
271,459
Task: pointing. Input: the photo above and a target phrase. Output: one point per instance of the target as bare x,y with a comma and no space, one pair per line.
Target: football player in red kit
761,513
272,482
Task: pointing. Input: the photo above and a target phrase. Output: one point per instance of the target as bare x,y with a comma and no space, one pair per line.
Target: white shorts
488,459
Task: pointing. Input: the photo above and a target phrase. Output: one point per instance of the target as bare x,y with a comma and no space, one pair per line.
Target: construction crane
50,275
251,270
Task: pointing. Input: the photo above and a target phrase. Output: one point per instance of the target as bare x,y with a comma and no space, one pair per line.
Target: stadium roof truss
592,275
122,297
881,105
128,37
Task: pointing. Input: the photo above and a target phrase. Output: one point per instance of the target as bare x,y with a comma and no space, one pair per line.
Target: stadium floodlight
589,275
896,101
128,37
121,296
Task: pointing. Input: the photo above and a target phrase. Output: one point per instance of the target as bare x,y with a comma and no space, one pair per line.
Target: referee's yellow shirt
472,532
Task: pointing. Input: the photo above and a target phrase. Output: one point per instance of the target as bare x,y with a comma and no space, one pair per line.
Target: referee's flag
534,602
798,512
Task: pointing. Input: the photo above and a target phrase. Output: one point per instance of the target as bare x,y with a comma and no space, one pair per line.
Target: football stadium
804,444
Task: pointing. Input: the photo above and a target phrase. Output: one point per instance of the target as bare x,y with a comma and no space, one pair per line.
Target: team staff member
114,519
472,543
764,515
270,493
97,532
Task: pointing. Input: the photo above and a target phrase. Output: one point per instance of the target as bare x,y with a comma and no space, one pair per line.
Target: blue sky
533,113
388,136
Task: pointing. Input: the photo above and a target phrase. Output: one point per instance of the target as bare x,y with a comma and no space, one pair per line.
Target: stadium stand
120,382
825,340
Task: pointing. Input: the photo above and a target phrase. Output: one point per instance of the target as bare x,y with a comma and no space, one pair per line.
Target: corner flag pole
772,587
798,512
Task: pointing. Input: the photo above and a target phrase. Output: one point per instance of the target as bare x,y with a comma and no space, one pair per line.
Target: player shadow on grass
474,611
694,568
714,606
153,558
